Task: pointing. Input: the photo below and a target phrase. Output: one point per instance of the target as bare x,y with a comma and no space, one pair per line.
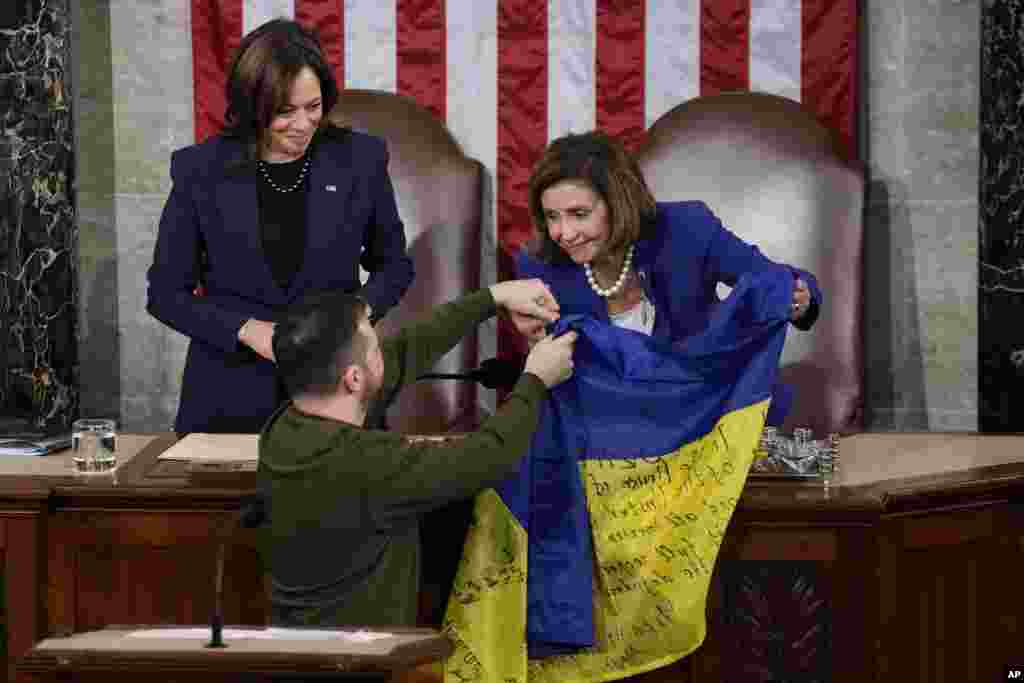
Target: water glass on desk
93,445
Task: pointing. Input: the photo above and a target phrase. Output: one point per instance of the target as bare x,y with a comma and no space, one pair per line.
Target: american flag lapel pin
331,188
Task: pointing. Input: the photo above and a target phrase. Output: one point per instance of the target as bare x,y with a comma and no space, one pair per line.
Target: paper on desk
262,634
34,445
215,448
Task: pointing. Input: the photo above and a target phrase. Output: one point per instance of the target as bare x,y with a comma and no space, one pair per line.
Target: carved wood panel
21,562
923,597
776,621
137,568
952,610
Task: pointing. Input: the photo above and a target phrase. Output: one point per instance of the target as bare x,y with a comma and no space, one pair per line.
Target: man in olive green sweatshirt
342,541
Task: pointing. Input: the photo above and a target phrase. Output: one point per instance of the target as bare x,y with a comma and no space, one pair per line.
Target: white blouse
640,318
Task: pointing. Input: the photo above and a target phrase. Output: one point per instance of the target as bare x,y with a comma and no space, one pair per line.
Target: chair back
438,190
772,173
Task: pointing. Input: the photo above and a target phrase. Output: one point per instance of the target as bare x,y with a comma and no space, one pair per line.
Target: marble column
920,101
38,234
133,67
1001,218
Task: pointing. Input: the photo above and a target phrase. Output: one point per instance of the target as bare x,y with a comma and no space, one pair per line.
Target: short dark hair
317,339
599,161
266,63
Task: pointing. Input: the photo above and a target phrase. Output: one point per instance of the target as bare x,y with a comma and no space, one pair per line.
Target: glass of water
93,442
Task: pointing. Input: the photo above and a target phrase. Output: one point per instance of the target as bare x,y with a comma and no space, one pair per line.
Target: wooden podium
166,654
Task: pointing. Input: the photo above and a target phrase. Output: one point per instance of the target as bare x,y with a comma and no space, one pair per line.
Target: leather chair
438,190
774,176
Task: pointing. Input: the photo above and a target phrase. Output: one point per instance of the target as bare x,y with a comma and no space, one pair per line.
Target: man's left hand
529,298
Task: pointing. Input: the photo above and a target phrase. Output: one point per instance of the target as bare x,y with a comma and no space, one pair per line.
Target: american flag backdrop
507,76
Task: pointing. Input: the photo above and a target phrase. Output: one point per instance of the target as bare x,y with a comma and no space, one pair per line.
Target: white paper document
215,448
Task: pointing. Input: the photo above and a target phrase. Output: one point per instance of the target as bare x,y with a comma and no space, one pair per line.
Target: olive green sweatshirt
342,543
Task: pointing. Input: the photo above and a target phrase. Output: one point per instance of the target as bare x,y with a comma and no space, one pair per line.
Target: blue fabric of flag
631,396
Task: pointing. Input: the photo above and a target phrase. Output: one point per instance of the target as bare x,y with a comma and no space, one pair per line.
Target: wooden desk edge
402,656
780,497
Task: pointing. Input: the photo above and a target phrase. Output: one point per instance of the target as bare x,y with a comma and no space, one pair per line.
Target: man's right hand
531,327
551,359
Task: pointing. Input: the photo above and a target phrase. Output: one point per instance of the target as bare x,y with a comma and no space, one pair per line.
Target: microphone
493,373
252,515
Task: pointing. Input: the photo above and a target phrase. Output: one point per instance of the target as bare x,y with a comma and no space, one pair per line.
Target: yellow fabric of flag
657,526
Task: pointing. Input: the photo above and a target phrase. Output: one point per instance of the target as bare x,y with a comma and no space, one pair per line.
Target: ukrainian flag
594,562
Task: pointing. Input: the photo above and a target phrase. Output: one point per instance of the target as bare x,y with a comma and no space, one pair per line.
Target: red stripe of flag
620,69
327,18
724,46
522,95
422,53
828,66
216,32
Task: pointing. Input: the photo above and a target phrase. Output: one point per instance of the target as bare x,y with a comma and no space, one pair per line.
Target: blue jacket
680,264
210,232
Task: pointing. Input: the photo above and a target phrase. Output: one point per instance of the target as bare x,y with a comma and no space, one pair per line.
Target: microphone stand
493,373
252,514
447,375
217,618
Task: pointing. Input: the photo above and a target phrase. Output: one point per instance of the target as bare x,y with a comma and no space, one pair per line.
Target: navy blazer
680,263
210,233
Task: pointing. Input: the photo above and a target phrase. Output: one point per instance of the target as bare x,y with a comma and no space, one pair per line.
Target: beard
366,400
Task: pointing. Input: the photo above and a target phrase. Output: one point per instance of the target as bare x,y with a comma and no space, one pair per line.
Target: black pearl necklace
291,188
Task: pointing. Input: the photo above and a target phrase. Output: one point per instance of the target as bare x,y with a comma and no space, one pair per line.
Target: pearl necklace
298,181
611,291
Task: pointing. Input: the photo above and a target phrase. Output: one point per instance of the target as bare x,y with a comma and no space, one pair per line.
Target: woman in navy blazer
607,249
279,205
